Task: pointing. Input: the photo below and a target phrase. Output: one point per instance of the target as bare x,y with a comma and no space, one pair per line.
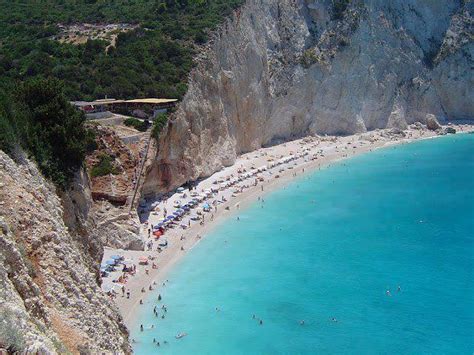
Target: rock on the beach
432,123
450,130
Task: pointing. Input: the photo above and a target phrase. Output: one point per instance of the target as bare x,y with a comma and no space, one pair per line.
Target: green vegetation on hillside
38,75
158,125
38,118
150,61
104,167
137,124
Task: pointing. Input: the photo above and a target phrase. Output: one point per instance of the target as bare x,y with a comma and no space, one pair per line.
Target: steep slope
50,298
287,68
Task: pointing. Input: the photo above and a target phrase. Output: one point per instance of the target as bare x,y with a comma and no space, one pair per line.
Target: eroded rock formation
50,297
280,69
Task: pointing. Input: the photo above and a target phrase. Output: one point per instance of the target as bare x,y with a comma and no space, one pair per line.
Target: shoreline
329,150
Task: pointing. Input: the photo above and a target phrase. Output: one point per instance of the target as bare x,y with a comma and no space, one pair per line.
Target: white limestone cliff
280,69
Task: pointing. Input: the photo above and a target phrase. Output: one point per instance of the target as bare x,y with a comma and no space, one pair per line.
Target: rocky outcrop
280,69
117,186
109,196
50,297
432,123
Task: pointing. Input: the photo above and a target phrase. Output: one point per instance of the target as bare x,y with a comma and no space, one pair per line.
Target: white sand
327,150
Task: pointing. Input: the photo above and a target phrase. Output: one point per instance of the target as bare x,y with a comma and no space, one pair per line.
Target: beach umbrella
116,257
143,259
180,189
169,218
110,262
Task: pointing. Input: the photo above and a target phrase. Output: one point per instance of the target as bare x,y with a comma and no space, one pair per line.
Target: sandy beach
303,155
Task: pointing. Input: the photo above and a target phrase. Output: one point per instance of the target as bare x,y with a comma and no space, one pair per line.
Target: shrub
53,130
308,58
104,167
137,124
158,124
38,117
338,8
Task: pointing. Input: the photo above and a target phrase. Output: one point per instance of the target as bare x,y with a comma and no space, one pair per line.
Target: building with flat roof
147,106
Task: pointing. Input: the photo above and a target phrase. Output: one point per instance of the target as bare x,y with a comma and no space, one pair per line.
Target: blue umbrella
169,218
206,205
115,257
110,262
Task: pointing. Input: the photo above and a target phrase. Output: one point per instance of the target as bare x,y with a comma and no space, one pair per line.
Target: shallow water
329,245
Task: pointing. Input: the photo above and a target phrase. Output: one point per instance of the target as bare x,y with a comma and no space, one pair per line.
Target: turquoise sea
327,247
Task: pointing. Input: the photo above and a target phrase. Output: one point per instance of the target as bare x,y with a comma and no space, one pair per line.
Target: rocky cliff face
50,298
280,69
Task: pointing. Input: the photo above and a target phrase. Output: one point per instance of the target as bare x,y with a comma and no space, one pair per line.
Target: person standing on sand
123,291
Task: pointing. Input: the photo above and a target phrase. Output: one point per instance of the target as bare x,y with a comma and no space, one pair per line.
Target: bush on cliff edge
37,117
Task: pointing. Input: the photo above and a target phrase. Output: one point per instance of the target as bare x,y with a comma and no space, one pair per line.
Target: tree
54,131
